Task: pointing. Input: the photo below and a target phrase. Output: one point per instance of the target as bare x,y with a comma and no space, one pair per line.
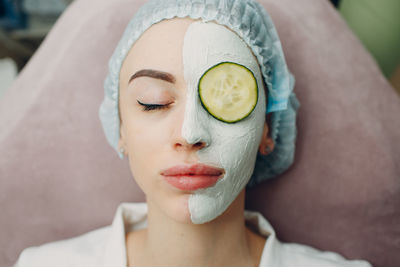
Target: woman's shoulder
278,253
293,254
91,248
83,250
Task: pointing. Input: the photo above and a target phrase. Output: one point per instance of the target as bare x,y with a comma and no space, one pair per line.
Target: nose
186,146
195,132
191,136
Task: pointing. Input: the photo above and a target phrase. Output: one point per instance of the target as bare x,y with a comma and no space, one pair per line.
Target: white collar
133,216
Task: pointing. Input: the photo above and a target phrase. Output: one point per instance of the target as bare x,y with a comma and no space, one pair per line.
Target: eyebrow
165,76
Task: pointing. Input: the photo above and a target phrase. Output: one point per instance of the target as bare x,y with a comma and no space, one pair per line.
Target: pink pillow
59,177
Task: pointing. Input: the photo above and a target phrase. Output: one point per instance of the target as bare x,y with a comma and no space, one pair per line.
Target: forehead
159,47
170,46
209,44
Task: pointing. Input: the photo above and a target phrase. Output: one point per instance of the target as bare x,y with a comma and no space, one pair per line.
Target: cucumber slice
228,91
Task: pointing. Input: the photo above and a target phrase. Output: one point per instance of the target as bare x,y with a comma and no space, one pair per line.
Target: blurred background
25,23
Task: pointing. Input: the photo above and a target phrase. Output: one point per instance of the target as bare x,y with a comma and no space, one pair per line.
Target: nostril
199,144
178,145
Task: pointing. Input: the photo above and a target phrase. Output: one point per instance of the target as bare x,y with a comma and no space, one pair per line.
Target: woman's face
163,68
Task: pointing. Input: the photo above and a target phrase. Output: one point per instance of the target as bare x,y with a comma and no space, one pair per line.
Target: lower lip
192,182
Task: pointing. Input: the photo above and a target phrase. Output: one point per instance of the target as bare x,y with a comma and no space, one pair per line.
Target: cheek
234,146
234,143
144,142
146,131
139,154
145,139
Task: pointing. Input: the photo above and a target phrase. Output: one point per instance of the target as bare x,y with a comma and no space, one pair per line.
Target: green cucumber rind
207,109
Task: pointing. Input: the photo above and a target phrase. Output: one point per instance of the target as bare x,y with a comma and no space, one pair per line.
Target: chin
204,208
178,208
206,205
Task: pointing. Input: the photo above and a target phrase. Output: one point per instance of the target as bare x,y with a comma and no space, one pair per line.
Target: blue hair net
252,23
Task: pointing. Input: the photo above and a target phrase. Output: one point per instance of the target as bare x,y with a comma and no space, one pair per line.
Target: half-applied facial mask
229,145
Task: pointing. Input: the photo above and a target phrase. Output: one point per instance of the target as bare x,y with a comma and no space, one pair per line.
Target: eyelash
149,107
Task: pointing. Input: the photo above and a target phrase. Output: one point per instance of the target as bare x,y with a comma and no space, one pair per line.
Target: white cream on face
230,146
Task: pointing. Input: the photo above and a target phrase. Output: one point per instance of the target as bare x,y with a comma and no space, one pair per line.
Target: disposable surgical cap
250,21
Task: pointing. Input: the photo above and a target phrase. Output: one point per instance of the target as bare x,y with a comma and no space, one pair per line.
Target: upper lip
194,169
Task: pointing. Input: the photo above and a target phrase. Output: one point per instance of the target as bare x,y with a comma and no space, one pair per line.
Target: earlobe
121,150
267,144
121,142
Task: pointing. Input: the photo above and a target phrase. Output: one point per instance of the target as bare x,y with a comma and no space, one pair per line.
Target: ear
267,144
121,141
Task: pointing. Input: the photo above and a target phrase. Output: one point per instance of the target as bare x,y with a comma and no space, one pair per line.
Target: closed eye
148,107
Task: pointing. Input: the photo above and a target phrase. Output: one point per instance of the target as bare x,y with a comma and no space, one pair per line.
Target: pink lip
192,177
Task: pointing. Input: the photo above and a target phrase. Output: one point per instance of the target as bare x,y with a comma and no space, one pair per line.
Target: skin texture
153,141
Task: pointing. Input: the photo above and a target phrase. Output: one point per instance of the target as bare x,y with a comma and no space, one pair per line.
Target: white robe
105,247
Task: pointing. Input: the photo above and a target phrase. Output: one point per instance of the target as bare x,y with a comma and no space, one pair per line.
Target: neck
225,241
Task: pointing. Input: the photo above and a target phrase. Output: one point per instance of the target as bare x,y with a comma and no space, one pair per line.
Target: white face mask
230,146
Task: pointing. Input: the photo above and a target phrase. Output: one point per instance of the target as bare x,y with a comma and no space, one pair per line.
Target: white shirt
106,247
